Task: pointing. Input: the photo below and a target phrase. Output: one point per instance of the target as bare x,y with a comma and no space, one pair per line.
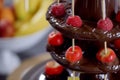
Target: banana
20,11
38,21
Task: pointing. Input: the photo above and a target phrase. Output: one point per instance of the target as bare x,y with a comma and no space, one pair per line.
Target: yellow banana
20,11
38,21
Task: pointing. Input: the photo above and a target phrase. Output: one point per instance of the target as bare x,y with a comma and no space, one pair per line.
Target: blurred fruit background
23,28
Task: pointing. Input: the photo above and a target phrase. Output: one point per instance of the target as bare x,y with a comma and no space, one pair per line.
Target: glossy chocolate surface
37,73
88,30
91,9
88,37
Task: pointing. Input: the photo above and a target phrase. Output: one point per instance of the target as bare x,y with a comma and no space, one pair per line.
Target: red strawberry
58,9
118,16
73,56
55,39
53,68
117,43
74,21
105,25
106,57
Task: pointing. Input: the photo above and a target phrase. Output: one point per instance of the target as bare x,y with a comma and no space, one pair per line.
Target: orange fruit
7,14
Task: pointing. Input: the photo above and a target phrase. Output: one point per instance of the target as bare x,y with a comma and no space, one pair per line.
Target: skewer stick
73,40
103,9
73,75
105,46
116,6
105,78
73,44
58,1
73,5
26,4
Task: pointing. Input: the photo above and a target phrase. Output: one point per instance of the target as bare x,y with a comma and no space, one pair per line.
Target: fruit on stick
6,29
106,57
74,21
58,9
55,38
73,56
105,24
53,68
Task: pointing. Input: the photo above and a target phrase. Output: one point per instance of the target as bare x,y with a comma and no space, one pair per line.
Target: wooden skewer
58,1
105,78
103,9
105,46
73,75
116,6
73,5
73,40
73,44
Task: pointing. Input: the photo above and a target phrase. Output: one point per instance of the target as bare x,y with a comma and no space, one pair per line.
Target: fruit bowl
22,43
26,31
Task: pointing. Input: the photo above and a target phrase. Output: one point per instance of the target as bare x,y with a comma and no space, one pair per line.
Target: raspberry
118,16
105,25
58,9
74,21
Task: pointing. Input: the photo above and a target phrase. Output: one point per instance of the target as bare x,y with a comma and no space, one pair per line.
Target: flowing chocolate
88,36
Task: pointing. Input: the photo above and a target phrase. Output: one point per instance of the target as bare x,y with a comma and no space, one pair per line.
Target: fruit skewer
105,23
73,47
73,40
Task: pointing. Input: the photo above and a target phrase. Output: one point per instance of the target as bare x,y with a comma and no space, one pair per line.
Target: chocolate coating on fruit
88,37
88,63
87,31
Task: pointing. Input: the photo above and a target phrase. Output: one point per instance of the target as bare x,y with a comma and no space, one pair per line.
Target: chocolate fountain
88,37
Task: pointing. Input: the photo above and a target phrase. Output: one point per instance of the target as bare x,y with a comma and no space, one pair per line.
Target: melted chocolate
88,63
88,31
93,7
88,37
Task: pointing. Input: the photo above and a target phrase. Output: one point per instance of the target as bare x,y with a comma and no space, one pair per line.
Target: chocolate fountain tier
88,63
88,30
